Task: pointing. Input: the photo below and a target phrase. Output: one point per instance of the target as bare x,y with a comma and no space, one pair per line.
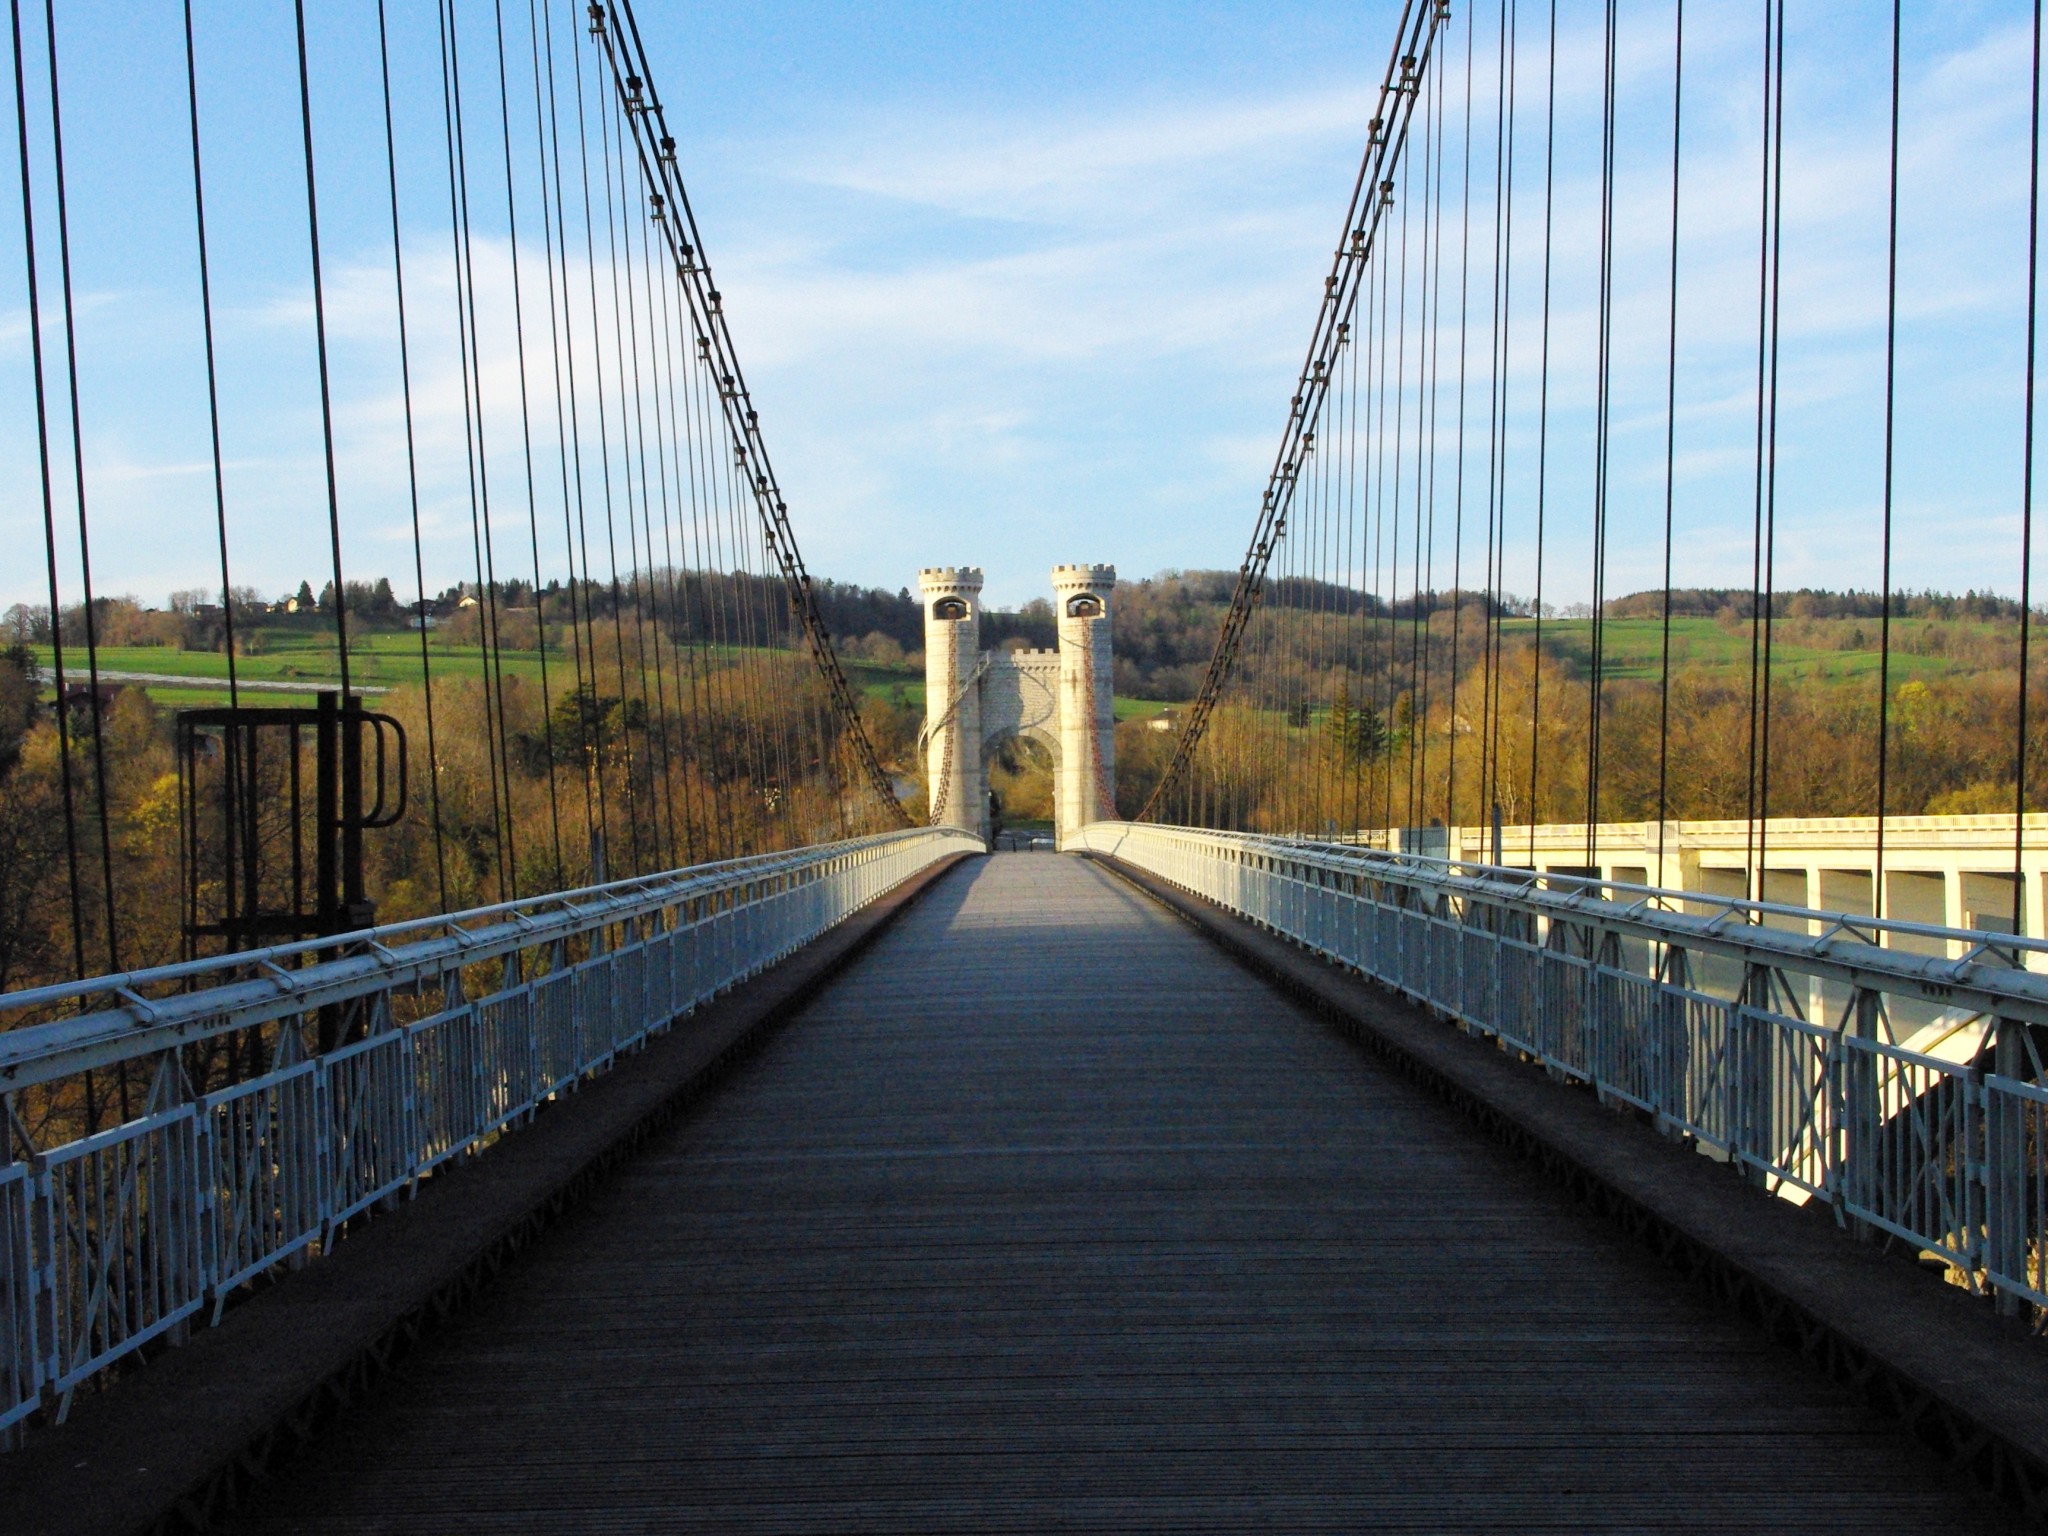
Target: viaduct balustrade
288,1091
1892,1070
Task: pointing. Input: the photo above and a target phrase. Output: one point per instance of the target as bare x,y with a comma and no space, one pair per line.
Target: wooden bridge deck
1047,1216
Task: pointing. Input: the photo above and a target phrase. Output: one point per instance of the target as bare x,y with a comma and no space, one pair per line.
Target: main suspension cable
1415,37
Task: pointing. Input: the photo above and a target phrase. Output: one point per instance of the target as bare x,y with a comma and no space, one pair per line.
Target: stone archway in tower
1021,770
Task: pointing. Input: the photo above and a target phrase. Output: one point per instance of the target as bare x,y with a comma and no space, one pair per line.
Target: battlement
1083,576
954,575
1035,663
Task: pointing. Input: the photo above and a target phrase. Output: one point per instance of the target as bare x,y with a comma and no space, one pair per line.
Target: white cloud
982,332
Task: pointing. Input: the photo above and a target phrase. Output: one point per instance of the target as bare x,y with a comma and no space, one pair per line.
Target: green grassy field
903,685
376,660
382,660
1633,648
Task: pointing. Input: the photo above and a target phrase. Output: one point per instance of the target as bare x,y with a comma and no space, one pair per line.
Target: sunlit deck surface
1048,1216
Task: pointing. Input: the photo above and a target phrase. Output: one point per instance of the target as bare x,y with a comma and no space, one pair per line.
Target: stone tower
952,733
1062,699
1087,706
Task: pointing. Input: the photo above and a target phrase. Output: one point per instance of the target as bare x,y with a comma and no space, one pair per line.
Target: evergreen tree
1356,735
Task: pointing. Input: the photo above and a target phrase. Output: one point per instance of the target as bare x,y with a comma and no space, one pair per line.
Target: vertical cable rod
220,498
1891,397
92,648
1670,447
320,344
2019,820
35,334
412,476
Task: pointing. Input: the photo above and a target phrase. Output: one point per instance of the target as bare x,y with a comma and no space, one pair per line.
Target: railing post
1859,1130
326,1156
179,1175
17,1279
529,1014
47,1304
1733,1057
1665,1026
1750,1076
1971,1152
205,1215
2005,1180
1593,1032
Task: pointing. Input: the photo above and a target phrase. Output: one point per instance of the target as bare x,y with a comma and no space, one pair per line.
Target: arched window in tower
949,608
1084,606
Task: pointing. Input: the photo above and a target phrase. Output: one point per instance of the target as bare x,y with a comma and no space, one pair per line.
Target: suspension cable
1543,428
1777,182
65,773
1670,448
469,355
619,35
220,499
1891,377
1602,417
92,648
2019,820
526,440
320,342
1415,38
1752,875
412,475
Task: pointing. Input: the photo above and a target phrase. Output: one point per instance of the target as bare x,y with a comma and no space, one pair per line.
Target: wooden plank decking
1047,1216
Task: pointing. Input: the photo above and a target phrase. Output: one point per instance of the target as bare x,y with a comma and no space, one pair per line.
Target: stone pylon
1063,699
952,733
1086,790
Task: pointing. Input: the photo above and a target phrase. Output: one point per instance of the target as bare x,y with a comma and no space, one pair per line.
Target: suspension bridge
563,1056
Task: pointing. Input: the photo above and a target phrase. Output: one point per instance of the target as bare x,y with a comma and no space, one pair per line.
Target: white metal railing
1905,1089
110,1240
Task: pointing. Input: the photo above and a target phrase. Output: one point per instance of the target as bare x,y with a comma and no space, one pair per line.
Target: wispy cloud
982,328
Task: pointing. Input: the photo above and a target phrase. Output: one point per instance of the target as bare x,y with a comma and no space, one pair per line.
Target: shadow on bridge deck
1047,1215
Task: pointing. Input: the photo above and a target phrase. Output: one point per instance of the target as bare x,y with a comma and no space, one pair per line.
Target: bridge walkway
1048,1216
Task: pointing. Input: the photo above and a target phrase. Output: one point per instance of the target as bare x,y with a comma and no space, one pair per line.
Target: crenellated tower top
950,578
1071,577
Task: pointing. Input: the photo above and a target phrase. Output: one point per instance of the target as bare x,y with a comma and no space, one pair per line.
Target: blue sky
1016,286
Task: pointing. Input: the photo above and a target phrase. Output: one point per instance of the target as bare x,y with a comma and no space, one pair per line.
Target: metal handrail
1936,1138
200,1191
1990,974
659,887
259,986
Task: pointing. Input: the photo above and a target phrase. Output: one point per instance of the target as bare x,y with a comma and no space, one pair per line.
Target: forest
676,717
1462,707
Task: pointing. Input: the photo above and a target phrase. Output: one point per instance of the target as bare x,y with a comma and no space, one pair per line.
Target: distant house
78,696
293,605
465,601
1165,720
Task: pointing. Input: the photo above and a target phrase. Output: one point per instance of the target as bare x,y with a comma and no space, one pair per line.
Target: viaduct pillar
1086,789
952,733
